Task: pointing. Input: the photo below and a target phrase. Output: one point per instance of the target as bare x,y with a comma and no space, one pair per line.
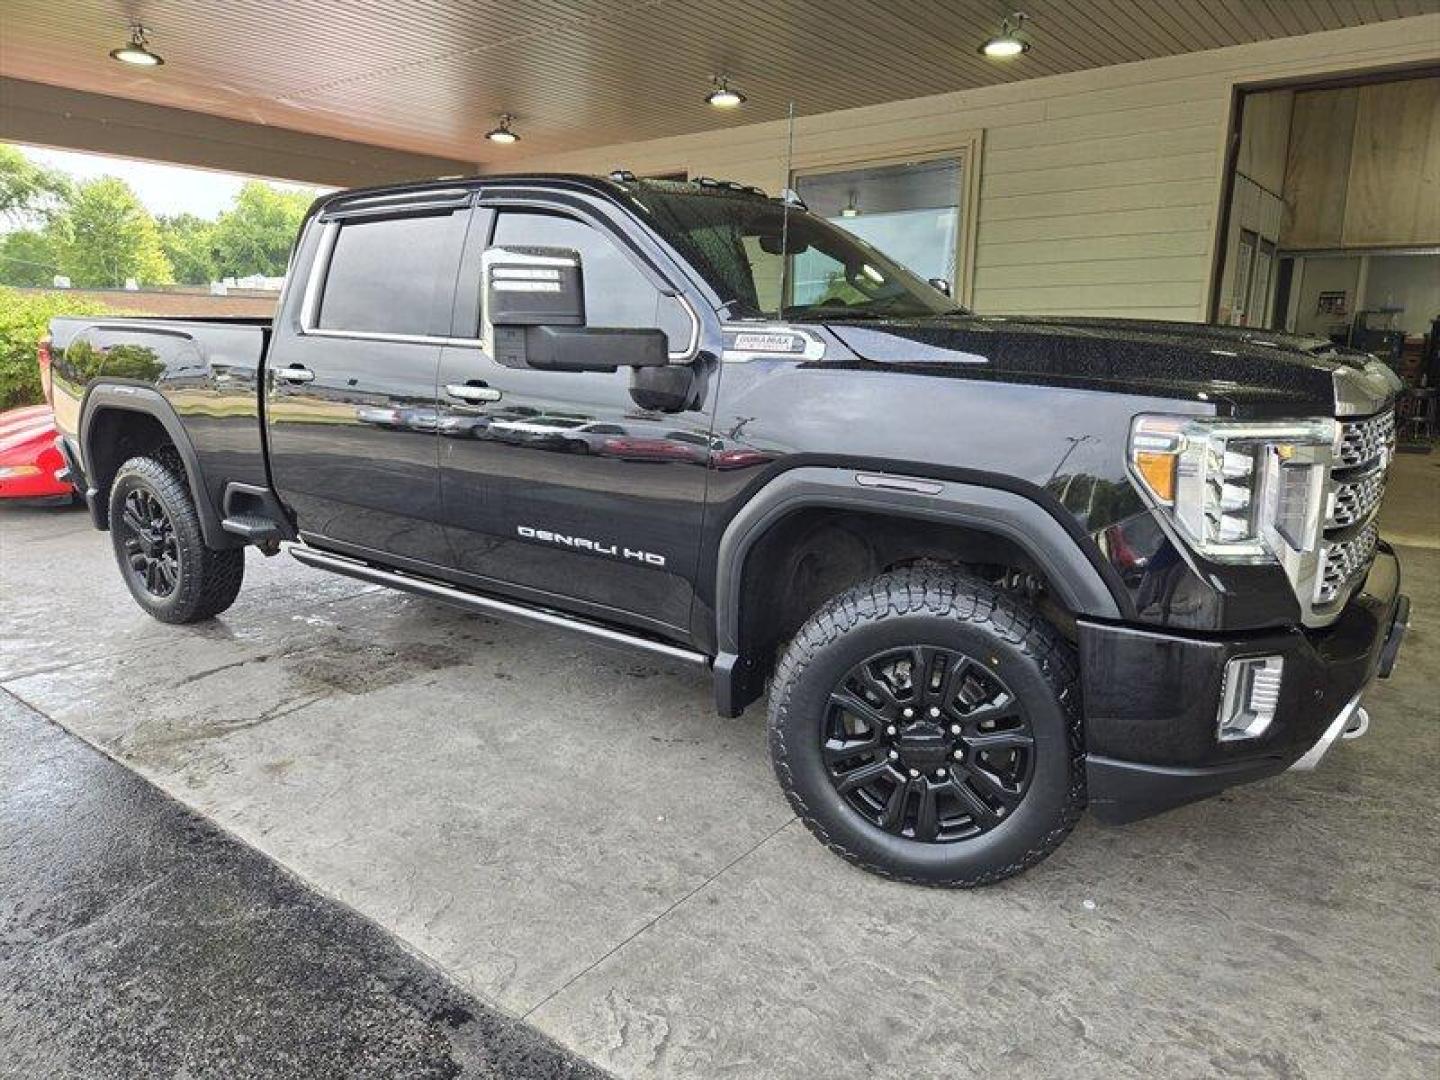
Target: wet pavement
137,940
571,834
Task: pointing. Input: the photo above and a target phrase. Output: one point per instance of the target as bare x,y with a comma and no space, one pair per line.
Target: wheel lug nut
907,713
894,754
958,755
954,729
890,730
934,711
914,773
939,774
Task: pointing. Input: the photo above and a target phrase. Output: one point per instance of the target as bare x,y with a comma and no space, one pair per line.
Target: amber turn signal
1158,472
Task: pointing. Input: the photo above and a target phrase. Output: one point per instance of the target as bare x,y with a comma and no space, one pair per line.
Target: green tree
189,243
27,257
105,235
254,236
28,190
24,318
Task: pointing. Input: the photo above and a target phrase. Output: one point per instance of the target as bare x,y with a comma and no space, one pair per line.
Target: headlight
1240,492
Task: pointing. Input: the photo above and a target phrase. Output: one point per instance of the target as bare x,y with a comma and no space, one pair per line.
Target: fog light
1251,696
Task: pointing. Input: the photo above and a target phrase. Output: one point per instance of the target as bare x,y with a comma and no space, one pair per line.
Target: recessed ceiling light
723,96
503,133
137,51
1007,44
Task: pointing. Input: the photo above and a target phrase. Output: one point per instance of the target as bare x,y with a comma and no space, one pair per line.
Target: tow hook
1358,725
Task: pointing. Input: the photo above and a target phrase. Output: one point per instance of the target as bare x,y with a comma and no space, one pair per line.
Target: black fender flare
1019,518
106,397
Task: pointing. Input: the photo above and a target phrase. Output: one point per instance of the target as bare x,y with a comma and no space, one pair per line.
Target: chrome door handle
472,394
295,374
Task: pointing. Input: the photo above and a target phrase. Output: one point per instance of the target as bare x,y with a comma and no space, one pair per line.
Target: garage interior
589,852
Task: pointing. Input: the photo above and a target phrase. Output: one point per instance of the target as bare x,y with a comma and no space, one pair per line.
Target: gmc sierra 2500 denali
991,569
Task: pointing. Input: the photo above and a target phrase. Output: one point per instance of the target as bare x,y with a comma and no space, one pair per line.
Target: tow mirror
535,305
534,286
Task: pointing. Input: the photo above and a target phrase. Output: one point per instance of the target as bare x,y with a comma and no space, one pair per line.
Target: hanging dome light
723,96
137,51
1007,44
503,133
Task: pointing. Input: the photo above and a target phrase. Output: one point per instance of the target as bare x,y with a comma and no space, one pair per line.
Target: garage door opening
1331,218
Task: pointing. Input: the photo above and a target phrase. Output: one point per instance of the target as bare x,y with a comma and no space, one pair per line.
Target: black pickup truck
991,569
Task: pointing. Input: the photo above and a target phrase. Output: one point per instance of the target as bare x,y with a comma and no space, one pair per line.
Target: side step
488,605
255,514
256,528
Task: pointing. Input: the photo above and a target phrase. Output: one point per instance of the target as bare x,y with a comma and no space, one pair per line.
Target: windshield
736,242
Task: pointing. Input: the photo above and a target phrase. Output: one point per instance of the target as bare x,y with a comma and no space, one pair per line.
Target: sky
164,189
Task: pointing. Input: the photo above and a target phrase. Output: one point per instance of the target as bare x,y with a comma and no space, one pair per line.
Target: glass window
769,260
395,276
617,294
909,211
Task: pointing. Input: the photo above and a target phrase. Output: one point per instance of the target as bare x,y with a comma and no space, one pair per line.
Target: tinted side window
395,276
617,294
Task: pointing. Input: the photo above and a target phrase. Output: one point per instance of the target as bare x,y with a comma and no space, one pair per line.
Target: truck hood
1239,370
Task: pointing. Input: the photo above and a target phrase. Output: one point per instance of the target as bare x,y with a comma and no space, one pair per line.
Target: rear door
352,408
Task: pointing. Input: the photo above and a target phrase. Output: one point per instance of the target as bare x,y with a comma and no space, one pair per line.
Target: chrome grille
1356,500
1362,441
1342,562
1355,490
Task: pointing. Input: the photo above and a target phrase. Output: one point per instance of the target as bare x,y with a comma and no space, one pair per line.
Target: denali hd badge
582,543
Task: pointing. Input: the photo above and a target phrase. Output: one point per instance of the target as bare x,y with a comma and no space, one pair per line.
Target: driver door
569,487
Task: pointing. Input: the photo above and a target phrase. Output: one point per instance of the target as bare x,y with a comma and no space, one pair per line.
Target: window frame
499,200
315,284
965,148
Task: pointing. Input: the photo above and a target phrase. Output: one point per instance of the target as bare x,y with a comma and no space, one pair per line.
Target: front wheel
926,727
155,530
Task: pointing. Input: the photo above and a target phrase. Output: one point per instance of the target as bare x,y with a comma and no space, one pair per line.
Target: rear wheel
926,727
155,530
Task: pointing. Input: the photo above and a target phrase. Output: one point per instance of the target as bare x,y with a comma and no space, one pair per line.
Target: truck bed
208,371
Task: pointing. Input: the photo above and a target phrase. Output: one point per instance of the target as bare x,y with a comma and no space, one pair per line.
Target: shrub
24,318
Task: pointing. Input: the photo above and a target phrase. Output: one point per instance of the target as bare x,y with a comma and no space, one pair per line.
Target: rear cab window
393,275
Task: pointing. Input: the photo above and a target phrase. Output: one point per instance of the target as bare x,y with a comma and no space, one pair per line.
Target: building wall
1099,190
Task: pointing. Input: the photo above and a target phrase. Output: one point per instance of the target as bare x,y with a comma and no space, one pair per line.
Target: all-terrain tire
943,608
208,580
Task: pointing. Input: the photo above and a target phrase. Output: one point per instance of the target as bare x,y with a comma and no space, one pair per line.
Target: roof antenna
786,196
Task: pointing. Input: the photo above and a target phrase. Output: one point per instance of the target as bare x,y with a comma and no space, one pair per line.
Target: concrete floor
574,836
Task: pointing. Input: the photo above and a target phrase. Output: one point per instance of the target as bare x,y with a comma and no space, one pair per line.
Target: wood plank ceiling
432,75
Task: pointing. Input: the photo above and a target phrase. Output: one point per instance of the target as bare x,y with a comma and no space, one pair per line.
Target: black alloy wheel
159,543
928,743
926,726
151,546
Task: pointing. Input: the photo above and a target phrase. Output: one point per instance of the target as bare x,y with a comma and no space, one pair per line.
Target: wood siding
431,76
1318,168
1394,190
1099,190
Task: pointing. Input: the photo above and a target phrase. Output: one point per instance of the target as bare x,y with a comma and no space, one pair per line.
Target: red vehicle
28,458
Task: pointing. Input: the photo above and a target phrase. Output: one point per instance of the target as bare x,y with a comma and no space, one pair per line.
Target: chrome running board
488,605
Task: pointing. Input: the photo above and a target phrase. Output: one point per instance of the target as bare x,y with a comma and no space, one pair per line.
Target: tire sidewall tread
1031,653
210,579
